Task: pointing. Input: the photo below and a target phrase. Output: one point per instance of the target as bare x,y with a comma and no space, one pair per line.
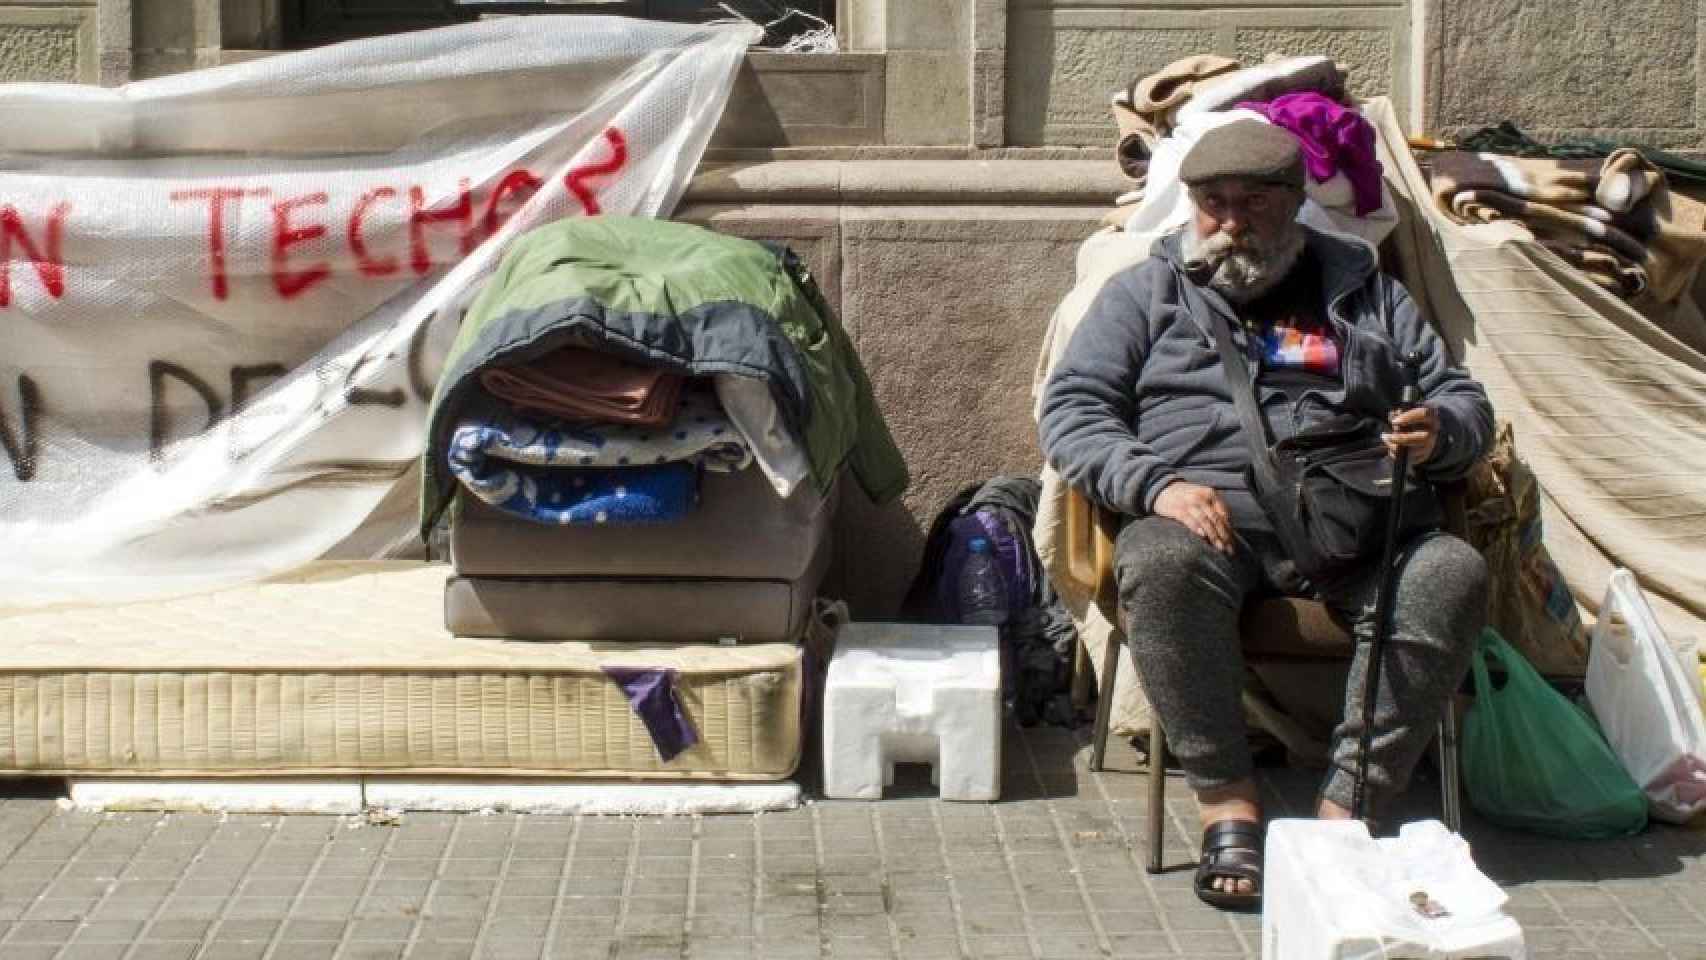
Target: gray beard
1241,275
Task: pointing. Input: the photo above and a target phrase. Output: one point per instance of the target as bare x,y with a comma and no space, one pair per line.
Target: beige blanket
1609,406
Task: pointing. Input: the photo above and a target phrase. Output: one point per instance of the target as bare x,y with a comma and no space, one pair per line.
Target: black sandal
1231,849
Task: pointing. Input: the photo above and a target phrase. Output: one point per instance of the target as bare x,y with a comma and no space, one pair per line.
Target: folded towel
587,385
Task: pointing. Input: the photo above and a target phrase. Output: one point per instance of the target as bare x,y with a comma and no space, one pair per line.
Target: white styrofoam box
905,692
566,797
337,796
1332,892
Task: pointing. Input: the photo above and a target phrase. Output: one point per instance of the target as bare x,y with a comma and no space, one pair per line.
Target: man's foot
1328,810
1231,865
1229,875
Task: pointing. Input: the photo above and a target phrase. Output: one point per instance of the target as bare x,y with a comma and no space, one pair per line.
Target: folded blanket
1613,219
1143,110
700,434
587,385
623,496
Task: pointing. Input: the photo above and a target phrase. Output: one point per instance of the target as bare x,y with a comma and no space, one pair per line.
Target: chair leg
1105,701
1157,792
1082,675
1451,794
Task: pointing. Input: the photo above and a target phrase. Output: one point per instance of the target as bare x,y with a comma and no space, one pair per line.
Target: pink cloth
1335,138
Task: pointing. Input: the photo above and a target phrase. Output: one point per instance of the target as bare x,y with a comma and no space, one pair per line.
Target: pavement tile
995,923
31,931
511,950
239,928
369,928
169,927
158,950
433,928
441,950
519,928
723,925
720,948
1129,921
94,951
274,907
999,947
1141,945
379,905
233,950
369,951
312,929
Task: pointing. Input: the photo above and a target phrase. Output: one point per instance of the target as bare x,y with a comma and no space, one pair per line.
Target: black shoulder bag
1326,490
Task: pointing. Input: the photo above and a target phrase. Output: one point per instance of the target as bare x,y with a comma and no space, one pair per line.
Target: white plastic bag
1647,704
1335,893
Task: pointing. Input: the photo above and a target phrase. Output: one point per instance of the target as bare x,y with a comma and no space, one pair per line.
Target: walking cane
1411,397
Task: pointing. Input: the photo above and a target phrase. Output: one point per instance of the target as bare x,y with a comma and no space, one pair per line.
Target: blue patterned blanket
618,495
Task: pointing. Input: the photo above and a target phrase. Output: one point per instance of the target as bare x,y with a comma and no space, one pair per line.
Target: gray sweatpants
1179,605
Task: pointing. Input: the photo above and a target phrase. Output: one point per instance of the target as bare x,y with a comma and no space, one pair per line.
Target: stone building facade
941,171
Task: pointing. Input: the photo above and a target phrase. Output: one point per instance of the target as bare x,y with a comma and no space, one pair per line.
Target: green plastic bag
1535,761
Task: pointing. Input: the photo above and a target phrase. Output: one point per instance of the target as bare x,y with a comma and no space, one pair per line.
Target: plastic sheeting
226,293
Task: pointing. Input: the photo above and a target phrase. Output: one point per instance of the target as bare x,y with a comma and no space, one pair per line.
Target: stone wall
1563,68
1065,57
50,41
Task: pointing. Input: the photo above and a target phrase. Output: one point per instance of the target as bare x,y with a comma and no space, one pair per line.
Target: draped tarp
226,294
1608,405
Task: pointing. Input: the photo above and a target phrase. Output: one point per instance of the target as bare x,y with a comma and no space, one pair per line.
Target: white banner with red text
226,294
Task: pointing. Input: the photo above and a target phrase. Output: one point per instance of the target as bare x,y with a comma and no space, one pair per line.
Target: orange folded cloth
588,385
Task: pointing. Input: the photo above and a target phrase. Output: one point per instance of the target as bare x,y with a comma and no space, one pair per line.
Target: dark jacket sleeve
1465,413
1090,404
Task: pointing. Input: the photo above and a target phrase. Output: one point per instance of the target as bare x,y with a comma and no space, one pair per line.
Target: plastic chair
1274,630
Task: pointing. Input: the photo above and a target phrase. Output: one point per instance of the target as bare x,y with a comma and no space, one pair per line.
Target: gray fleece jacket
1139,398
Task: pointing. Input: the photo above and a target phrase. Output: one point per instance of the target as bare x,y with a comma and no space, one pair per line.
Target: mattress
348,669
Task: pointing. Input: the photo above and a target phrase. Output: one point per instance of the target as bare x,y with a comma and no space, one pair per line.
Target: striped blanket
1613,219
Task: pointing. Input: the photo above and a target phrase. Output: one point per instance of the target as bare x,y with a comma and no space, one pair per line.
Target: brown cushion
1288,627
544,608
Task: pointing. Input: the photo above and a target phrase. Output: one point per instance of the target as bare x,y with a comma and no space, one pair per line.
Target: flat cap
1248,149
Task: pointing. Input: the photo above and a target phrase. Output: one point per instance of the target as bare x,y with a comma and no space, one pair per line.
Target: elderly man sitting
1140,416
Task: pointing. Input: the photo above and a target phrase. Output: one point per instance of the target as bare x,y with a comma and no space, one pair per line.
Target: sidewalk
1051,871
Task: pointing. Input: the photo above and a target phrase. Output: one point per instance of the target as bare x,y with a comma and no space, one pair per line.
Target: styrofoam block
1332,892
334,796
905,693
560,797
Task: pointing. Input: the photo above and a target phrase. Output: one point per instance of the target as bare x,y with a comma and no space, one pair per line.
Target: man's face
1244,236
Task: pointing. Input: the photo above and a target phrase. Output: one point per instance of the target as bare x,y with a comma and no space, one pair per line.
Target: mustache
1208,253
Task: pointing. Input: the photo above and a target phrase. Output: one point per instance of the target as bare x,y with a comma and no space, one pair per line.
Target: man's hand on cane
1416,428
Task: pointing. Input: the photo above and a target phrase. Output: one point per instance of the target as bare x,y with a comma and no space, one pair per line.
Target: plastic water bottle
982,591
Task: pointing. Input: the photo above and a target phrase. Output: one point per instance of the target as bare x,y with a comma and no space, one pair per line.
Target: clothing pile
1613,217
579,437
1162,115
638,438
